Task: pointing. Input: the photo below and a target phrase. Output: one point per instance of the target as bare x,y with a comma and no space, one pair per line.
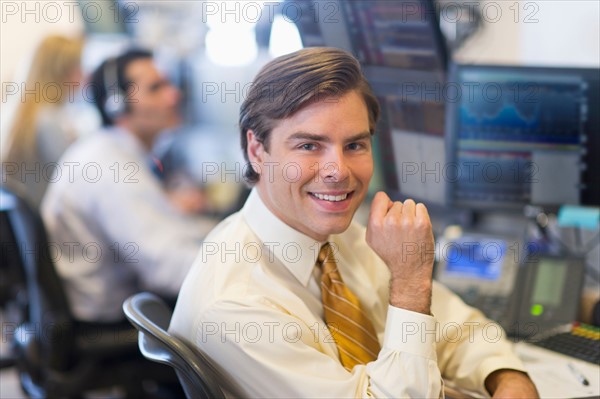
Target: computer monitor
520,136
402,34
410,148
397,42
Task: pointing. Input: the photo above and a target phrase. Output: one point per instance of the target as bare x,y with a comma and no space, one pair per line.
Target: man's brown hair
290,82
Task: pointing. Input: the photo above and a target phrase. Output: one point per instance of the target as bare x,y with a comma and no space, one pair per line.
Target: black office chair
150,315
13,296
57,355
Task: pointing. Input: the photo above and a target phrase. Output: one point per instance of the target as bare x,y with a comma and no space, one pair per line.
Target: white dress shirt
111,228
252,303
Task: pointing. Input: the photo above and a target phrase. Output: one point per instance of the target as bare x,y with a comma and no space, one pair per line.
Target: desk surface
551,373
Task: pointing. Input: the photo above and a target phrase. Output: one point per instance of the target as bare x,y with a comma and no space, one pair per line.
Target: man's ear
256,149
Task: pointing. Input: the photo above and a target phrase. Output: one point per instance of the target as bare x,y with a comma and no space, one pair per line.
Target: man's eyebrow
359,137
300,136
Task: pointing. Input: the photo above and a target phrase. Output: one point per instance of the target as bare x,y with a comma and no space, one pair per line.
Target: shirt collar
296,251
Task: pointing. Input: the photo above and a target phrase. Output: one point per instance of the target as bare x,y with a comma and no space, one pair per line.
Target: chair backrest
151,316
12,278
48,305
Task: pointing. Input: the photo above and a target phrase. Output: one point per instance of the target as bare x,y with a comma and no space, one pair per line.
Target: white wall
497,41
542,32
566,33
25,23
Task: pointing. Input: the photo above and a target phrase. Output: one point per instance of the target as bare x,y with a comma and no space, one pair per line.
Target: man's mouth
331,197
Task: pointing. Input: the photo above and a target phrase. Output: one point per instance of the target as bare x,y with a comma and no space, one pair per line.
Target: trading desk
541,293
557,375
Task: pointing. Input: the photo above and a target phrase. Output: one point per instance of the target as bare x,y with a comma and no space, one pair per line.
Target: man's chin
336,228
174,124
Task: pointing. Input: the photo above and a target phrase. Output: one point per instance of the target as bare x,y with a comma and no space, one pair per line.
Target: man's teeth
332,198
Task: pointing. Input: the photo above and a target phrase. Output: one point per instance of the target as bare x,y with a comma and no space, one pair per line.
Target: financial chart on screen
517,136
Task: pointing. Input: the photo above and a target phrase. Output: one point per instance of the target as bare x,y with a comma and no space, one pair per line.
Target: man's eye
308,146
158,85
355,146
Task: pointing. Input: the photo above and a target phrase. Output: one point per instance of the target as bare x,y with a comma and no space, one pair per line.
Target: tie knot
325,255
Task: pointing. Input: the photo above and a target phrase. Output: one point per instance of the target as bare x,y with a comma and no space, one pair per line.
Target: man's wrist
509,377
414,298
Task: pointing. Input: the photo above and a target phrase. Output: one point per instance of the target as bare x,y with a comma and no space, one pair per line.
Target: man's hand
401,234
511,384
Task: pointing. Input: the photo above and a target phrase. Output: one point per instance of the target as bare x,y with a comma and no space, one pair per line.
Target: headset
115,105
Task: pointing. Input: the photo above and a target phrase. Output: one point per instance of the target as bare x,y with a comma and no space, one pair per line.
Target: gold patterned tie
351,329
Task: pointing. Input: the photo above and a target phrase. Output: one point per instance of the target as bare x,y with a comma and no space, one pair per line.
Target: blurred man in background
118,230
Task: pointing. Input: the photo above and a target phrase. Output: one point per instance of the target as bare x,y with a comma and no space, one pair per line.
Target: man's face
153,101
318,167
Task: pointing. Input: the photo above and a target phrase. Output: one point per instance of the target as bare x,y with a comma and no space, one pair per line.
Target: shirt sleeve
408,351
469,346
271,353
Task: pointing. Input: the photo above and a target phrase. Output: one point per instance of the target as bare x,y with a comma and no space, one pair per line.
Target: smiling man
323,154
290,298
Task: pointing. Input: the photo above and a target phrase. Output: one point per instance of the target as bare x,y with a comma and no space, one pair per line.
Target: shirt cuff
411,332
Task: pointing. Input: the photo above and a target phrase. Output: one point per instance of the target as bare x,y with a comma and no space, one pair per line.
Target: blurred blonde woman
44,120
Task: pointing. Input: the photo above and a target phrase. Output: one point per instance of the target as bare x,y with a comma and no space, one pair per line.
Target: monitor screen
401,34
397,42
549,282
520,135
476,258
411,152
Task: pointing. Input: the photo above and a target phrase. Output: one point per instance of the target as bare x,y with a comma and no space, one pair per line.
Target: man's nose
173,94
335,166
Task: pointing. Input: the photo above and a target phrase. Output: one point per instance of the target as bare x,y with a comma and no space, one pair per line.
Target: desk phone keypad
582,342
493,306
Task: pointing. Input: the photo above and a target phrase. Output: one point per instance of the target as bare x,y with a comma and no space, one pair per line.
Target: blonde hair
54,62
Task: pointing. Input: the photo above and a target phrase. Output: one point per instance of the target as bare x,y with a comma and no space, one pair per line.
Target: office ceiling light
231,38
285,37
